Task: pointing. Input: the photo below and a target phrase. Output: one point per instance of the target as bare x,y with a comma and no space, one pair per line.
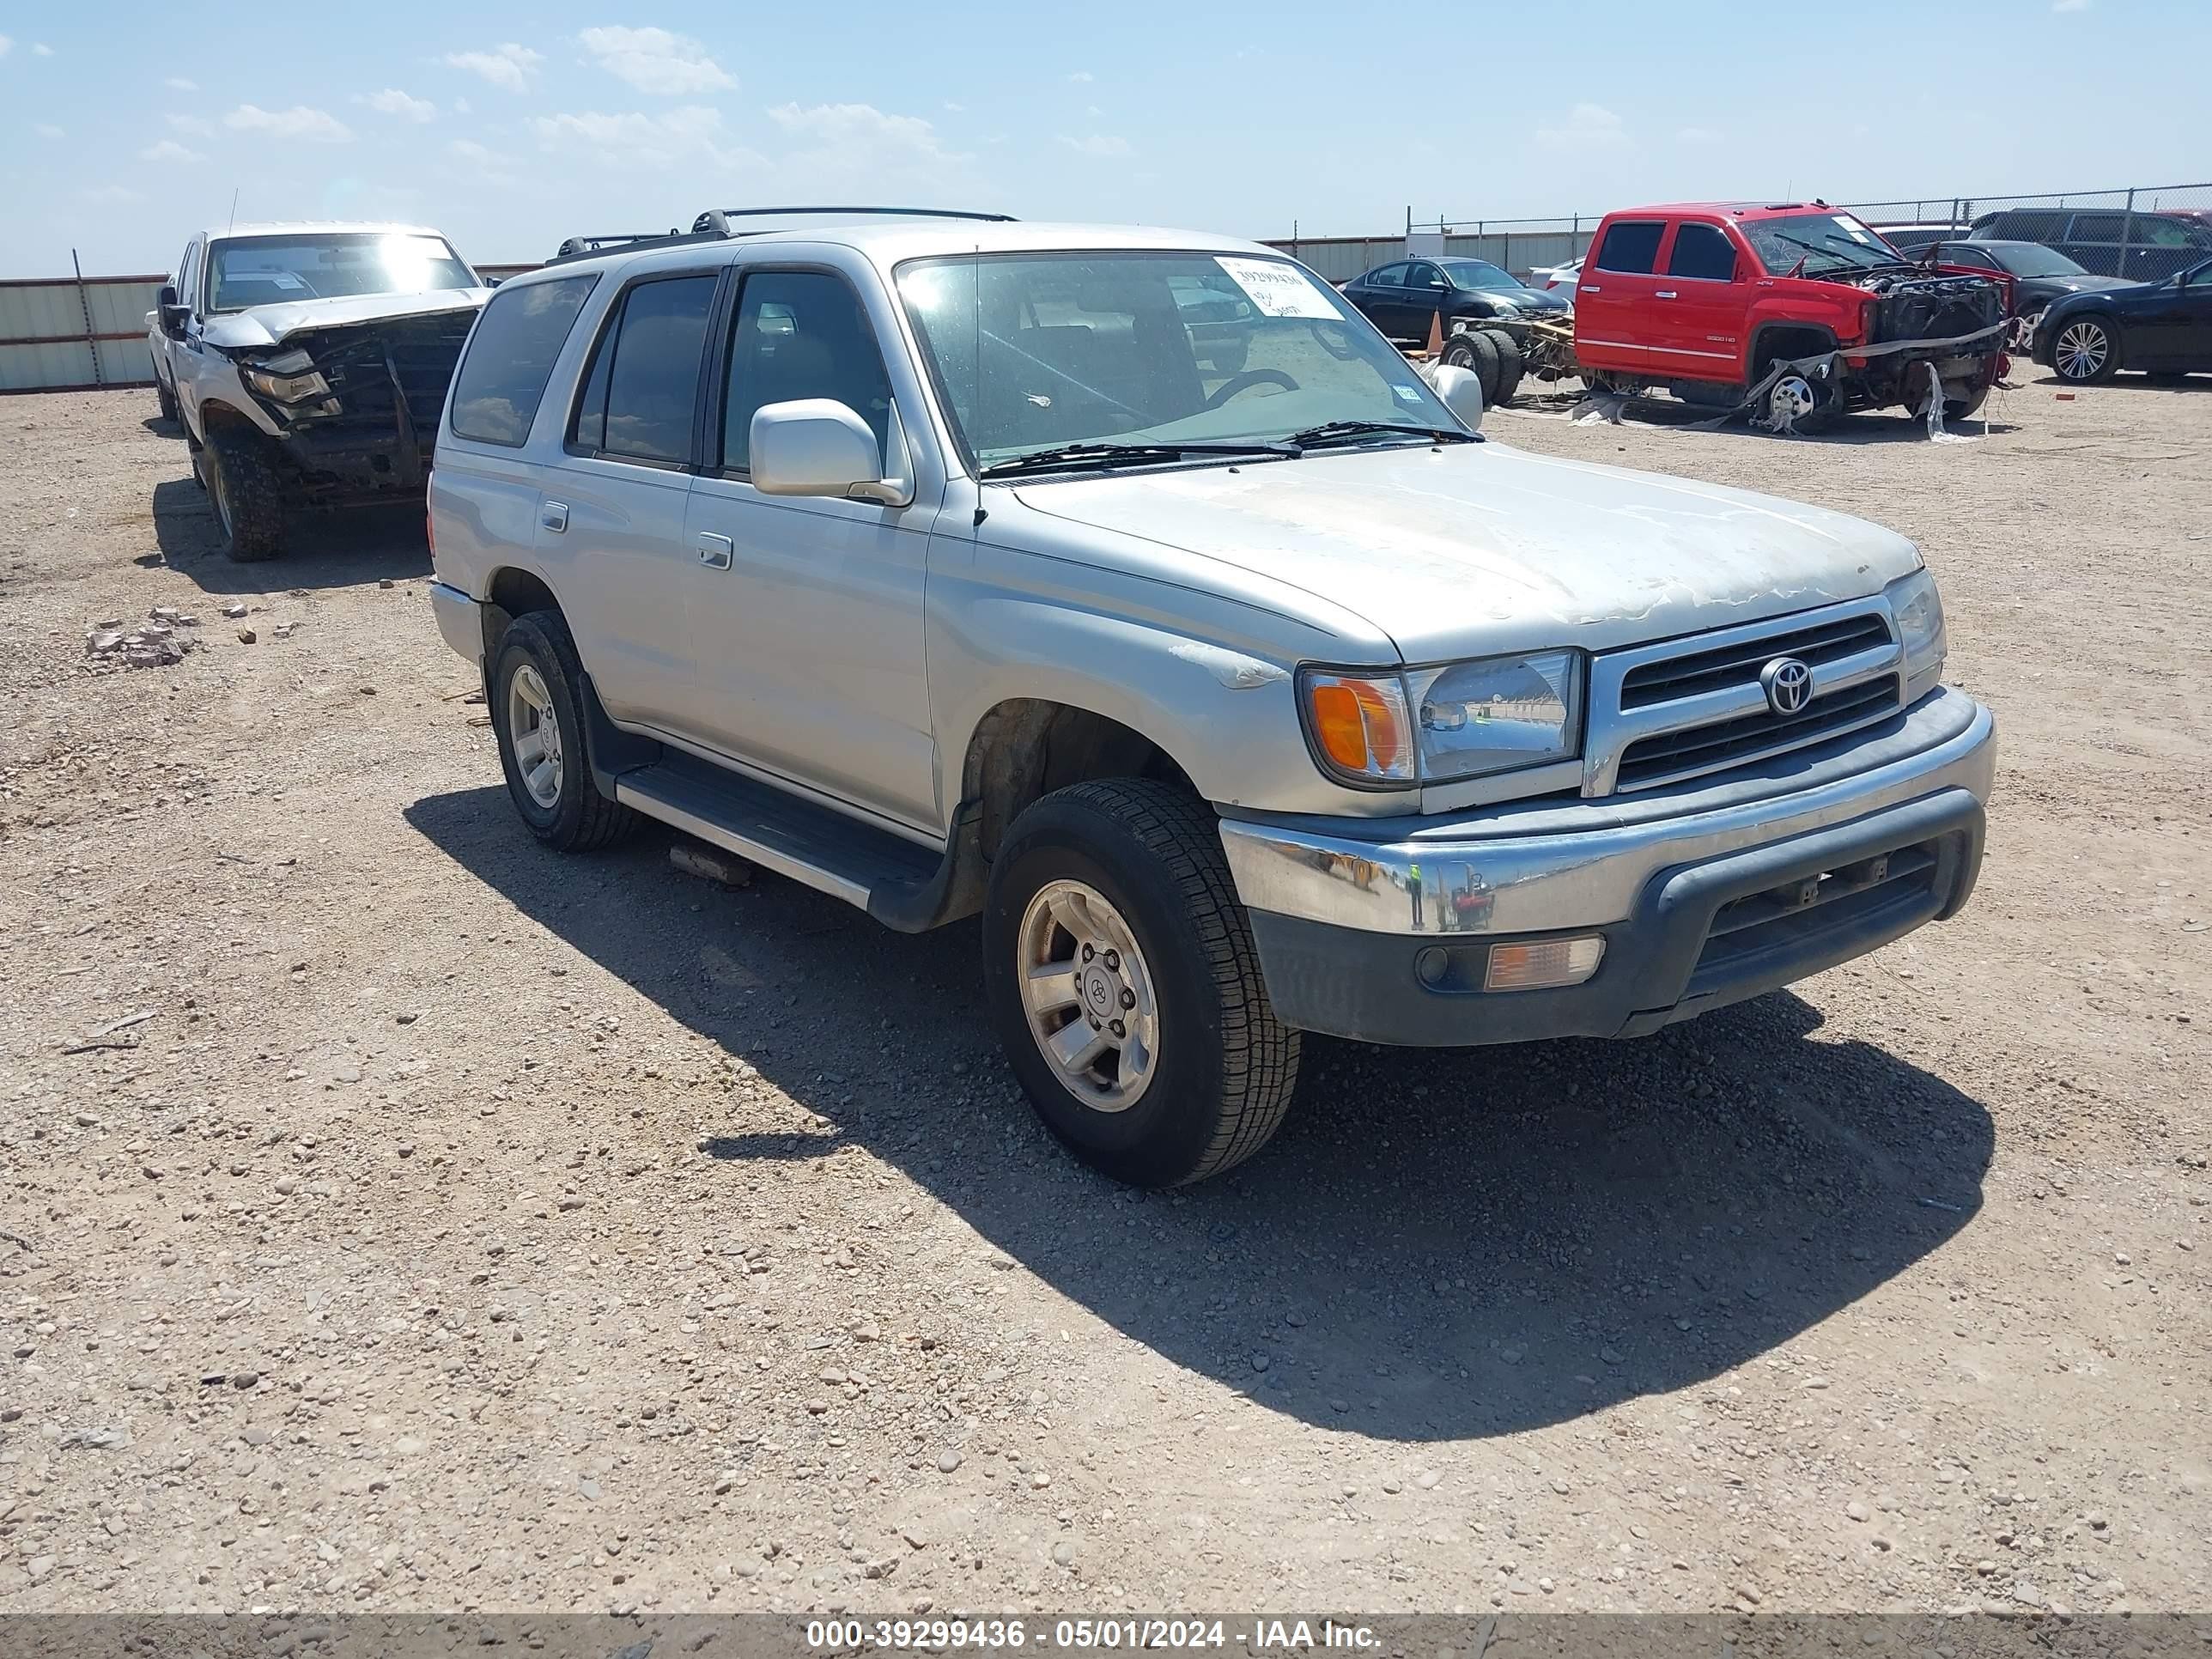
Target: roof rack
717,219
715,225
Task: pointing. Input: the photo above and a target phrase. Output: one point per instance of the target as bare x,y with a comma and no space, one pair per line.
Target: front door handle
1665,294
1591,288
714,551
554,515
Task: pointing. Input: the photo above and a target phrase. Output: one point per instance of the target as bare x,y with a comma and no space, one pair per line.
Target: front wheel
538,715
2085,352
1120,972
166,398
247,494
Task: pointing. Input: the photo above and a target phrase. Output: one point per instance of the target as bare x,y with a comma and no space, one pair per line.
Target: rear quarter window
511,356
1630,246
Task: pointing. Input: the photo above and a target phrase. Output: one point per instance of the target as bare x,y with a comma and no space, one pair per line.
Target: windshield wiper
1329,432
1074,457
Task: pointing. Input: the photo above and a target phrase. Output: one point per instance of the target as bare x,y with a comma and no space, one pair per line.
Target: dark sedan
2163,328
2039,274
1404,299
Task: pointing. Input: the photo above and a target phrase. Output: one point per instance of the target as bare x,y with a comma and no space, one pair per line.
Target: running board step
777,830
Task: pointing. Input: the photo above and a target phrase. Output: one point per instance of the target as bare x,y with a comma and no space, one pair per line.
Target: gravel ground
462,1225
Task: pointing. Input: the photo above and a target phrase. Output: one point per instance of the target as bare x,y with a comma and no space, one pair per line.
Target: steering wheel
1244,382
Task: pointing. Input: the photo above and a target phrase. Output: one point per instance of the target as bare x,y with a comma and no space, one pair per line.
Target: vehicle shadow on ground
339,547
1880,427
1438,1245
2128,380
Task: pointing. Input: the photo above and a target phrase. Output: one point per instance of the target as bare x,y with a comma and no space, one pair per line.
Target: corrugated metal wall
43,330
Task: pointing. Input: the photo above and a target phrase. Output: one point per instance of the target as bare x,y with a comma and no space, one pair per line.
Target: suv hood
265,326
1474,549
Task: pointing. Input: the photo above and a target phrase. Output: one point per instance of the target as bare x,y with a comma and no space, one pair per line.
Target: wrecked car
307,365
1793,312
954,566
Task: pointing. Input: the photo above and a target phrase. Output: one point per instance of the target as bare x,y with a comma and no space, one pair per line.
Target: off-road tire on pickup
578,818
167,400
1473,349
1223,1067
1510,364
246,494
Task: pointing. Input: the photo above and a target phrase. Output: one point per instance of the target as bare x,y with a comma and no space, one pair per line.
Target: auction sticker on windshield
1278,290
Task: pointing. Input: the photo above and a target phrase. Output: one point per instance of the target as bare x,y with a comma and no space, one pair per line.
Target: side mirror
173,314
1460,390
818,447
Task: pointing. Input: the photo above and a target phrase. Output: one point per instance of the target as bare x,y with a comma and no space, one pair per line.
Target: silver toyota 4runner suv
1126,587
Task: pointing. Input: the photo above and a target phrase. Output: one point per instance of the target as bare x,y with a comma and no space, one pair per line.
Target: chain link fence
2144,232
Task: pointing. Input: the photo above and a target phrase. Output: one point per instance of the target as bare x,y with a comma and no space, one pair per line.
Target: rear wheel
1121,975
246,494
1474,349
2087,350
538,715
165,399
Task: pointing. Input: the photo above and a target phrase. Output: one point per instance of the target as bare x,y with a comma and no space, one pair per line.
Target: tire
246,496
2085,350
1964,409
1473,349
537,656
167,399
1710,395
1220,1068
1511,363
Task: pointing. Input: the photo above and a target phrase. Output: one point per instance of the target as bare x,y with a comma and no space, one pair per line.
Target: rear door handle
1665,294
554,515
1591,288
714,551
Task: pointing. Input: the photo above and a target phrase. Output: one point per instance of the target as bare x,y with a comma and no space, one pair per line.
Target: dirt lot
470,1226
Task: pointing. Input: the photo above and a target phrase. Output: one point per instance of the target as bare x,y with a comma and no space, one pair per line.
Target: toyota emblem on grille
1788,684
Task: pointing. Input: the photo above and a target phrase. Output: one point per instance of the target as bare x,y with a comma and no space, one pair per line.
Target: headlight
289,378
1918,609
1439,724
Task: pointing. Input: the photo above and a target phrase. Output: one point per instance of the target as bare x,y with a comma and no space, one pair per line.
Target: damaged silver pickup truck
307,365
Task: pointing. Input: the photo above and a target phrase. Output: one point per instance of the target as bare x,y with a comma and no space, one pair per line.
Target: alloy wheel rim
534,729
1087,994
2083,348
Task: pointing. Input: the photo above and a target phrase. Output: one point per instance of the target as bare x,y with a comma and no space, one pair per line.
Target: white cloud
405,106
957,109
688,131
6,46
198,125
317,125
1094,111
655,61
1588,126
1700,135
178,83
1082,77
840,138
42,50
46,130
461,106
168,150
506,65
2070,5
1100,145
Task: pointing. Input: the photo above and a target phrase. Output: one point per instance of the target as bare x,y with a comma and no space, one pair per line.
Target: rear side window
1631,245
2023,225
1701,252
2096,228
510,357
643,386
1388,277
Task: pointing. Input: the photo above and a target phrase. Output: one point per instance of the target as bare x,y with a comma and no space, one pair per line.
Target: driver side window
801,334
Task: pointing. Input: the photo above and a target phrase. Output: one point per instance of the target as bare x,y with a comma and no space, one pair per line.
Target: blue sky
125,128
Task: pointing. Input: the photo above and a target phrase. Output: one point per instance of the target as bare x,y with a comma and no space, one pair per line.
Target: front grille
1667,756
1717,669
359,362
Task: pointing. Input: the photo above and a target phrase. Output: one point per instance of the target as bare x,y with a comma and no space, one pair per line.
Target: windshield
2029,260
265,271
1826,242
1144,348
1476,274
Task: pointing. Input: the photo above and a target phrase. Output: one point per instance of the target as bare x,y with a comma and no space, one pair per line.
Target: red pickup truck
1796,310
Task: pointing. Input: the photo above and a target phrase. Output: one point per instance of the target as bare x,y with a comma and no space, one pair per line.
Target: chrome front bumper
1536,867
